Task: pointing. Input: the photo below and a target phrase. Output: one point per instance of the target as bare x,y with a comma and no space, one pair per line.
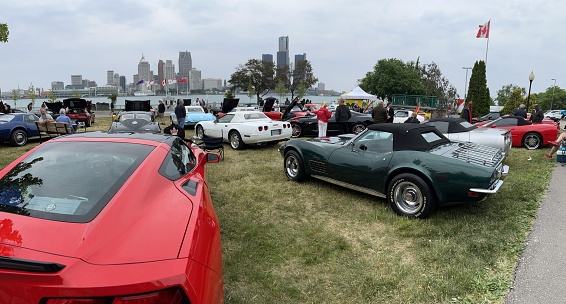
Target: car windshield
195,110
255,115
69,181
6,117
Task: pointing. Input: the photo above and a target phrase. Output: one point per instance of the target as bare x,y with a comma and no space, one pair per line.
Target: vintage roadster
414,166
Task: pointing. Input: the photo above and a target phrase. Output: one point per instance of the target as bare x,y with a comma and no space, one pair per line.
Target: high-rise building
212,83
76,80
144,71
185,66
57,85
109,77
123,83
283,53
160,71
299,58
267,57
169,70
195,81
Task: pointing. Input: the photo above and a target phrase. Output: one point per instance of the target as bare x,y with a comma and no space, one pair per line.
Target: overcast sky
52,40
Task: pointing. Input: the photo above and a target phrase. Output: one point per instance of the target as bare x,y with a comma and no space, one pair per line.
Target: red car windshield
69,181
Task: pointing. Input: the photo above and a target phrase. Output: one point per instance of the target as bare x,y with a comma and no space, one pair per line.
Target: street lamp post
531,78
553,88
466,83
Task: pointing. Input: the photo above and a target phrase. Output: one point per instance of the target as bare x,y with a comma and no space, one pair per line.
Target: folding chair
213,145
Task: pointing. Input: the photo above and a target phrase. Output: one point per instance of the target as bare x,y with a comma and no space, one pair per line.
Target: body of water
211,100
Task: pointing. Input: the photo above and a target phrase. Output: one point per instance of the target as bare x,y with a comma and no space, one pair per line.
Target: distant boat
144,93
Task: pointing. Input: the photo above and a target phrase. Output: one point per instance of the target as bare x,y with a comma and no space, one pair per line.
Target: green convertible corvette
414,166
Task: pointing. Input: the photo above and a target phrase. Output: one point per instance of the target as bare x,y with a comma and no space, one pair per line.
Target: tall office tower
109,77
283,53
169,70
212,83
144,72
195,81
57,85
123,83
76,80
185,66
299,58
160,71
321,86
267,57
116,79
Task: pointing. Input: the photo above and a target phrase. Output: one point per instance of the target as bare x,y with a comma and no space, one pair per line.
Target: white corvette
245,128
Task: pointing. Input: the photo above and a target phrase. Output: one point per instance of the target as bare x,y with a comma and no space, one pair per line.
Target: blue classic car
195,114
413,166
16,128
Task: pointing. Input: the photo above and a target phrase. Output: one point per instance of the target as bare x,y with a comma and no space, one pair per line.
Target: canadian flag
172,81
163,82
483,31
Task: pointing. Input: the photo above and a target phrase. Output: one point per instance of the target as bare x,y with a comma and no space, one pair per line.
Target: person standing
379,113
161,111
276,107
520,111
180,113
342,115
467,112
323,115
390,112
537,115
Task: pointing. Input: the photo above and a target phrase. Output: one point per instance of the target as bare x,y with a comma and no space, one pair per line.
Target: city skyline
343,41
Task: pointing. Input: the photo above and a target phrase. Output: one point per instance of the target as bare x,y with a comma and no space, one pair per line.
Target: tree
112,98
504,93
513,101
4,32
258,73
393,76
251,92
15,96
299,80
478,92
51,97
437,85
553,97
32,94
280,89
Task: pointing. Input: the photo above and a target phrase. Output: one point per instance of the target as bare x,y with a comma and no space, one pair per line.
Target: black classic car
308,126
412,165
135,122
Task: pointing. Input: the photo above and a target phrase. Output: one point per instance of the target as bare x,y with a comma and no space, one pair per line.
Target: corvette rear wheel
18,138
357,128
293,165
410,196
532,141
236,140
296,130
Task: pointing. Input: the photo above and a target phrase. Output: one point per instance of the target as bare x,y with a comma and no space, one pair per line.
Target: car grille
317,166
478,154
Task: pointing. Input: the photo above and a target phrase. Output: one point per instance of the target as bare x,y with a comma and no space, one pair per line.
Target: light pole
553,88
466,83
531,78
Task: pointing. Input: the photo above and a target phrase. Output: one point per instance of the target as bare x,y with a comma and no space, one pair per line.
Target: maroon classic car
79,110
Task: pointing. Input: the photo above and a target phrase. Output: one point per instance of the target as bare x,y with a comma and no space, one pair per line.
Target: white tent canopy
358,93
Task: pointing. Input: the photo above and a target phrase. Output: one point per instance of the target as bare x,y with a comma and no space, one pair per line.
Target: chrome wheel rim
200,132
235,140
408,197
20,138
296,131
292,166
532,141
358,129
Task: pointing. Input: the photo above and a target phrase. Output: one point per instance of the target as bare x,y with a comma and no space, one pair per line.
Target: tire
357,128
236,140
294,167
532,141
297,131
18,138
199,131
87,123
410,196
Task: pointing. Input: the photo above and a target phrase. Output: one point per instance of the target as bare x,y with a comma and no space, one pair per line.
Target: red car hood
138,225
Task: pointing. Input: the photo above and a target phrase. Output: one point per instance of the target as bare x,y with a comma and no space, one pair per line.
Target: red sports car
109,218
523,132
79,110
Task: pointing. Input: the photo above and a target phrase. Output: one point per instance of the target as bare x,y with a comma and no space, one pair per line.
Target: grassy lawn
312,242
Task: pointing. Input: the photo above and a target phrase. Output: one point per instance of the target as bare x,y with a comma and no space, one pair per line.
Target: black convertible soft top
452,124
412,136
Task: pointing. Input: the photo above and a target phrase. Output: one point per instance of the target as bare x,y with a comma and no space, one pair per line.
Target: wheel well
418,173
534,132
18,128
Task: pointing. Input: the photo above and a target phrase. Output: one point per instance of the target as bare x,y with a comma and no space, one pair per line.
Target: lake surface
211,100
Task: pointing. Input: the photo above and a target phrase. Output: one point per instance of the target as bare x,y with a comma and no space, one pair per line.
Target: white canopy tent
359,94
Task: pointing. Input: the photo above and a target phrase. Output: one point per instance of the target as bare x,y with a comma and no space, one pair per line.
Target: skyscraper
283,53
144,72
160,71
195,79
109,77
299,58
169,70
267,57
185,66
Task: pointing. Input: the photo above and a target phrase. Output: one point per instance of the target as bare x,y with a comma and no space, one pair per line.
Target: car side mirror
212,157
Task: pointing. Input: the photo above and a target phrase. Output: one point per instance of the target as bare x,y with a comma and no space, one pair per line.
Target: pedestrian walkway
540,274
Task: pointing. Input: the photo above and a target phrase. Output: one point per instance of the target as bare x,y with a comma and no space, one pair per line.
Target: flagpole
487,47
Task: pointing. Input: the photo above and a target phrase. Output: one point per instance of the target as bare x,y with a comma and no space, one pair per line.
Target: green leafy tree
15,96
280,89
251,92
513,101
504,93
256,72
112,98
299,80
478,92
4,32
32,94
51,97
437,85
76,94
393,76
553,98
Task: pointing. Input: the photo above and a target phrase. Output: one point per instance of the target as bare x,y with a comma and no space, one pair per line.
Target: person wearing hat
467,112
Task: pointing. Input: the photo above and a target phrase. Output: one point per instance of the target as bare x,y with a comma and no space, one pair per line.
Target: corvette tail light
260,128
265,128
167,296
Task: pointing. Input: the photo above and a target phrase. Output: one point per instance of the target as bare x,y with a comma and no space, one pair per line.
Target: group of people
5,108
342,115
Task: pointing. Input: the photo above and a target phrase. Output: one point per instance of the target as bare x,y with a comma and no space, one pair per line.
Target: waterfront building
283,53
299,58
169,70
76,80
267,58
185,66
212,83
122,83
160,71
144,73
110,77
57,85
195,80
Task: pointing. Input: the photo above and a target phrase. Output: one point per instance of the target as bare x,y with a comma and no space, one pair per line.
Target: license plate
276,132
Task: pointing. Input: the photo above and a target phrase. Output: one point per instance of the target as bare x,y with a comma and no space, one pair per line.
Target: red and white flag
483,31
182,79
163,82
